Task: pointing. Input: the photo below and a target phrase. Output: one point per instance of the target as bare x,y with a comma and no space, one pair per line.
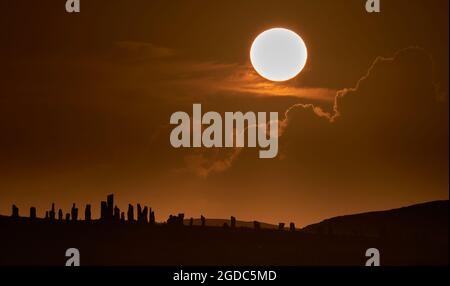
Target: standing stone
292,226
116,213
139,213
145,215
52,213
233,222
67,217
110,206
152,217
191,222
74,213
32,213
15,211
203,220
103,210
87,213
130,213
60,215
281,226
122,217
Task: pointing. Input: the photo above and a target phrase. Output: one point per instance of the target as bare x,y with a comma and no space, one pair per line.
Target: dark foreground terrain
417,235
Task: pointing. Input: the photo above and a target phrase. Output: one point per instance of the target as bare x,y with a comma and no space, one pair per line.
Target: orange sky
85,102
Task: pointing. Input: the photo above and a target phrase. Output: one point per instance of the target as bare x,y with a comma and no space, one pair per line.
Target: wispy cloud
234,78
211,77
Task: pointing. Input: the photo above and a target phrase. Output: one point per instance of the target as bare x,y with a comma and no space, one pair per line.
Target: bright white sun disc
278,54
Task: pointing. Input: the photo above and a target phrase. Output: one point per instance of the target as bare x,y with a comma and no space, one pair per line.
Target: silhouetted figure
52,213
130,213
116,214
233,222
191,222
139,213
292,226
256,225
15,211
110,206
74,213
281,226
46,215
145,215
152,217
203,220
32,213
60,215
67,217
103,210
87,213
122,217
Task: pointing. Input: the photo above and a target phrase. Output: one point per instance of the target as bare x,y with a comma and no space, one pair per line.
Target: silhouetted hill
421,220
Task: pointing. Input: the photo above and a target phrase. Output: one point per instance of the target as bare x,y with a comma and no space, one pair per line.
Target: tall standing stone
103,210
110,206
74,213
87,213
60,215
145,215
32,213
130,213
52,213
15,211
116,214
139,213
152,217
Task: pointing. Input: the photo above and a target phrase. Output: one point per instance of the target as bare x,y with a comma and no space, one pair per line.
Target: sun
278,54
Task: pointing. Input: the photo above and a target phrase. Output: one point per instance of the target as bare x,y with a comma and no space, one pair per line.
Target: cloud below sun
242,79
210,77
